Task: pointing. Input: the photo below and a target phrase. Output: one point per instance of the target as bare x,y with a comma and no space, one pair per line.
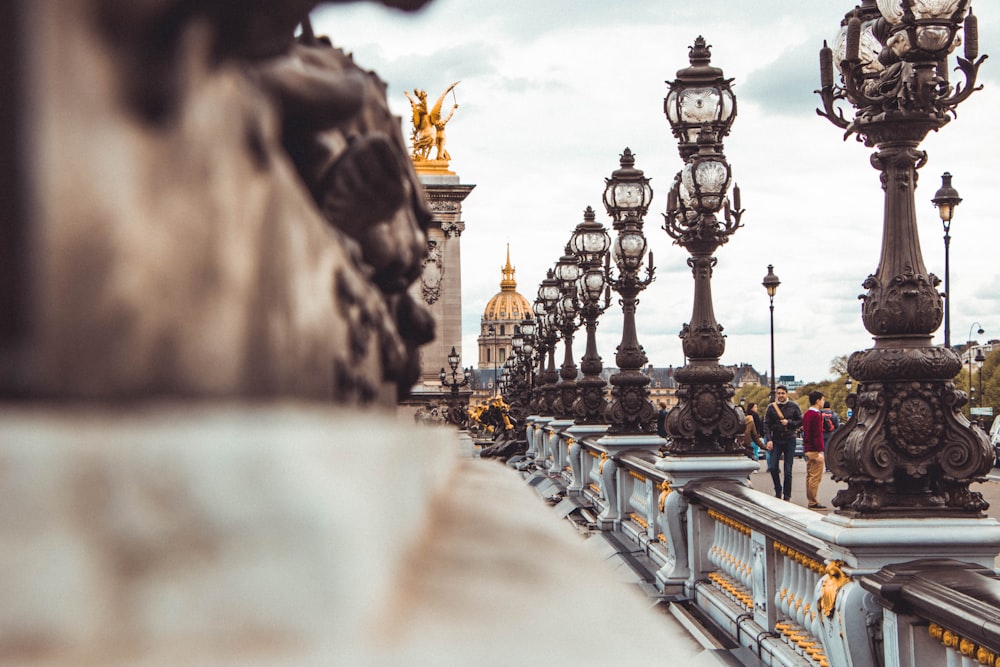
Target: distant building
970,350
501,319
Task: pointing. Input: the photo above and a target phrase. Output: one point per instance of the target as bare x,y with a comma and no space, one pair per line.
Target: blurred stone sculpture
229,210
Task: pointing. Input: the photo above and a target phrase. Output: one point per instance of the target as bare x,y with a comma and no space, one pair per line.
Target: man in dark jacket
781,421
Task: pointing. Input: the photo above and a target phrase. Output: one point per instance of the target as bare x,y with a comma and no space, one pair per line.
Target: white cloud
552,92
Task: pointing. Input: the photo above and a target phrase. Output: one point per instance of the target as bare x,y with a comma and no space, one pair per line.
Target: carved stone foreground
231,212
212,536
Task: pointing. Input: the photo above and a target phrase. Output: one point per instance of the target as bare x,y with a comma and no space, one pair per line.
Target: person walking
751,435
831,422
812,443
661,420
781,421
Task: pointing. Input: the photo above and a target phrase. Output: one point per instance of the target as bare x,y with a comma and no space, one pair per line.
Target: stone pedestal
867,545
440,286
683,469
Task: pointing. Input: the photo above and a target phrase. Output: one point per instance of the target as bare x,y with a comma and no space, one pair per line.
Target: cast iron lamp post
528,349
946,199
979,365
548,297
908,448
590,244
456,414
770,284
567,271
968,354
704,421
492,330
517,390
542,344
626,197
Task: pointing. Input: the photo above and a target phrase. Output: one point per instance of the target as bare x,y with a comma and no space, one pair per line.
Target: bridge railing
757,569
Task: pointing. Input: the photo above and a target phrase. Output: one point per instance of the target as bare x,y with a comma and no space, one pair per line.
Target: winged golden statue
429,126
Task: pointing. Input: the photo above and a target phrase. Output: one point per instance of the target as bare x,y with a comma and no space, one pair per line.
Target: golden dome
507,304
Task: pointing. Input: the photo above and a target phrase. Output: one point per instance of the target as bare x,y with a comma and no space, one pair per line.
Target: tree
838,365
753,393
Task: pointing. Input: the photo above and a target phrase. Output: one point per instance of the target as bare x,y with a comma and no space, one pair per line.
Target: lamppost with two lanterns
908,448
701,109
627,196
590,244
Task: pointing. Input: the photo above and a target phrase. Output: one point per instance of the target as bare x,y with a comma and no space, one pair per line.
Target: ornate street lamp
626,197
456,411
590,244
946,199
908,448
704,421
542,345
770,284
699,96
567,271
548,297
968,354
492,330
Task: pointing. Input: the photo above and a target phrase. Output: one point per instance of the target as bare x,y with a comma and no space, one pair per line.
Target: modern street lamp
908,448
626,197
770,284
456,414
590,244
946,199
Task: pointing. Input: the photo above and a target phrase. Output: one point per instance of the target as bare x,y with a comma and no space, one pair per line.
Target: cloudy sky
551,93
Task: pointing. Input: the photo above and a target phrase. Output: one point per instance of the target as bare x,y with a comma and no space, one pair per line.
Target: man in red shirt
812,443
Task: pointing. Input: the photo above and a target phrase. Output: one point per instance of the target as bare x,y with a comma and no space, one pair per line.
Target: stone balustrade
793,586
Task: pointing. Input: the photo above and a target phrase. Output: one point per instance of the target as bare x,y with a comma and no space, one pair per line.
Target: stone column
440,284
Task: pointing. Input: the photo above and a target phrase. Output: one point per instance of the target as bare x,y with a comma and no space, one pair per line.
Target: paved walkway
498,579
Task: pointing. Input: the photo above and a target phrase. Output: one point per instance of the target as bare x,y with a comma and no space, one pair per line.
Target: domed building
502,319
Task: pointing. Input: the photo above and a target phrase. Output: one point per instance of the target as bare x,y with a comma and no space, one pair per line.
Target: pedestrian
661,420
831,422
781,421
751,438
812,443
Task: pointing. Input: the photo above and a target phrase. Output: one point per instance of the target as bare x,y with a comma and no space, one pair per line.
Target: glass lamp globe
592,284
629,248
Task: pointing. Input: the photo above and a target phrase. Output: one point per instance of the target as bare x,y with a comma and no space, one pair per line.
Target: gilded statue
429,126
